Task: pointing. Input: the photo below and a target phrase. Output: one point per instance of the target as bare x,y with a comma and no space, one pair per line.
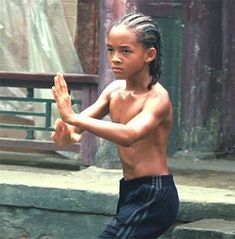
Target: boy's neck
138,86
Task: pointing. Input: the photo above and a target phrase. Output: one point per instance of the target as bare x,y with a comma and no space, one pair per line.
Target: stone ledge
86,191
95,190
33,223
206,229
57,199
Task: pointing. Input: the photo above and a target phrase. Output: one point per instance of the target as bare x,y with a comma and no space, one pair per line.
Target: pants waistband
158,181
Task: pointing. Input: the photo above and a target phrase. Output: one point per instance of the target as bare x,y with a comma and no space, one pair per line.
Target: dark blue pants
147,207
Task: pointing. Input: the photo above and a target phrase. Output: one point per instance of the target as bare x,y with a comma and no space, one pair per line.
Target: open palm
62,97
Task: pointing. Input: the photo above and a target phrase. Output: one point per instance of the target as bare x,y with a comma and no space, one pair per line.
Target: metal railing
47,114
87,85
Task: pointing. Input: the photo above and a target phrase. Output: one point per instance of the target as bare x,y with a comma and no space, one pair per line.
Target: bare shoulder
159,94
159,102
112,87
116,85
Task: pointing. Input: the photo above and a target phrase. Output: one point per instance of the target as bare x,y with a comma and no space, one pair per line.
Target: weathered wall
229,76
202,81
87,35
207,77
70,11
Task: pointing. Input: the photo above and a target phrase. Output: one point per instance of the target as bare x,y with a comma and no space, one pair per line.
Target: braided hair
149,35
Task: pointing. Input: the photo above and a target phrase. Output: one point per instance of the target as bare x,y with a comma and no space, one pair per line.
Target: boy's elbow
129,138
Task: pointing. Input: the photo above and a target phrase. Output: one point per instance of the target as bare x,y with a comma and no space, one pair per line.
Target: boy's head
148,34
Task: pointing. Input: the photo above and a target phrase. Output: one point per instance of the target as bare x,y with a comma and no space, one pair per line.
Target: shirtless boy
142,116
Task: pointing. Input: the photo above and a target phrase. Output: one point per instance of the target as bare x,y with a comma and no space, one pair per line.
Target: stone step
41,160
30,197
206,229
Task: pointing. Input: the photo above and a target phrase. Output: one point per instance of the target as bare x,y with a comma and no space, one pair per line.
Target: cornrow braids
149,35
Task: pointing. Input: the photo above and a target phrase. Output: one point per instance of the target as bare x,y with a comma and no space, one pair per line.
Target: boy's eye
126,52
110,49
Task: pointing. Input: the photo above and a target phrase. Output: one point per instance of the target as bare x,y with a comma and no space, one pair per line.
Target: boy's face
126,55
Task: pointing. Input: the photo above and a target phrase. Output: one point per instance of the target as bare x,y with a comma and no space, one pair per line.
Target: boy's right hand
64,134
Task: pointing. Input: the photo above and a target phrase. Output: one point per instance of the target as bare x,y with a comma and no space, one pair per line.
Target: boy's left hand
62,97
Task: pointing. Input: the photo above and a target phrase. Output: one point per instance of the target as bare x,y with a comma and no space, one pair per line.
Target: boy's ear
151,54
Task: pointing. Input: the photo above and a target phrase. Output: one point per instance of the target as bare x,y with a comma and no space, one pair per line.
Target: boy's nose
116,58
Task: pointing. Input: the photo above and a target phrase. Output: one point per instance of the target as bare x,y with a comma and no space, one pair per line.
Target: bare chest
124,108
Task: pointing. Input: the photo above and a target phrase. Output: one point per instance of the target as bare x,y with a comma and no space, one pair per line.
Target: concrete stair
210,214
206,229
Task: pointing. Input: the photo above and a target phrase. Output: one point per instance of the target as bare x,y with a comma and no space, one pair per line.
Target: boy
142,116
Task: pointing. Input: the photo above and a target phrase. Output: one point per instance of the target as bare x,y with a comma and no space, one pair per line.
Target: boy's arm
97,110
63,100
154,112
65,133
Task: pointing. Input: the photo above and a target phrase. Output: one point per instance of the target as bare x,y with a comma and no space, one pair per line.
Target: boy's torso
146,157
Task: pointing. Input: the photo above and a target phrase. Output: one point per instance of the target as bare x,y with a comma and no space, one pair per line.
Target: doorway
171,29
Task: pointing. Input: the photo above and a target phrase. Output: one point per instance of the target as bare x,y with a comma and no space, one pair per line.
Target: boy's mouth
117,69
